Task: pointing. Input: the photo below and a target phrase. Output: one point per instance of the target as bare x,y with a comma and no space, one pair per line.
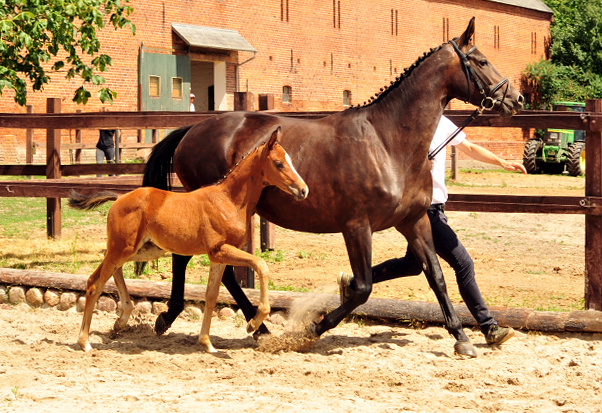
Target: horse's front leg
215,276
175,305
358,240
231,255
420,240
249,311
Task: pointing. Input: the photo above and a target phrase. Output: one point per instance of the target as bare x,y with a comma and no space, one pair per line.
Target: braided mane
384,91
223,178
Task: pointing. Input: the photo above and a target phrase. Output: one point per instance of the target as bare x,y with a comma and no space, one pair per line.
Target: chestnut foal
213,220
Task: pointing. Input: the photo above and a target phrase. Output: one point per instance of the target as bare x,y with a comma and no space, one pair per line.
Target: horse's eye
483,62
278,164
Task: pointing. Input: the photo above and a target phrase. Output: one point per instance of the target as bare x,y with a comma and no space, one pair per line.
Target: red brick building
310,55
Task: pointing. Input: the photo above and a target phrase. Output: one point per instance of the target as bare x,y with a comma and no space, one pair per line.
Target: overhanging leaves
33,32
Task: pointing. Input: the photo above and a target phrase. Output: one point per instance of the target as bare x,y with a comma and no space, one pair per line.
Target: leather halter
488,101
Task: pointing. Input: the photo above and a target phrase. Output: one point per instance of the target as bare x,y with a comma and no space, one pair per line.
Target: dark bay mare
378,170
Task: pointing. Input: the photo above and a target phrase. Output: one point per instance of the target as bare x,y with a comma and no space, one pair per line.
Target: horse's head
478,82
279,170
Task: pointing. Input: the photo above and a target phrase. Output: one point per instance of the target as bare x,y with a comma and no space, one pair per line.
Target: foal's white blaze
290,163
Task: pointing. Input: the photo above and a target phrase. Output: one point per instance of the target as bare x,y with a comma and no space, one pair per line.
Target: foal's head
278,169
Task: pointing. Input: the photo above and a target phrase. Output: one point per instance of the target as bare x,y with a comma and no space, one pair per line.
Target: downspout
240,64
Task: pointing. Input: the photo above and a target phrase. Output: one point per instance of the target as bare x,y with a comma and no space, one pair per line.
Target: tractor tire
576,159
529,154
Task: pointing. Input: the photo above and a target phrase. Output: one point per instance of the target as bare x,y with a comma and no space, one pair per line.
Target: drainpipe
240,64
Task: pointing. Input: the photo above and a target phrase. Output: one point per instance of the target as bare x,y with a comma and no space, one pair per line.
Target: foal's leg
215,276
231,255
93,290
125,307
420,240
249,311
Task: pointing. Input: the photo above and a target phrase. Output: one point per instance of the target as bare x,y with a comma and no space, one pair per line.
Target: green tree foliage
38,37
574,71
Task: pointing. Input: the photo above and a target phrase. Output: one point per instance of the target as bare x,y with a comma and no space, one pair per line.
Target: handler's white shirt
444,130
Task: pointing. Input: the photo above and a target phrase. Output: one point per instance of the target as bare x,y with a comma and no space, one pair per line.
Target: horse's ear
465,38
275,138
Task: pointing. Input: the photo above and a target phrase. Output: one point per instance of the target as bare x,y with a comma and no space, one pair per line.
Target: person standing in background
192,109
105,147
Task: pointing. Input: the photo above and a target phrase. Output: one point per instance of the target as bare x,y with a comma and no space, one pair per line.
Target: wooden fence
54,188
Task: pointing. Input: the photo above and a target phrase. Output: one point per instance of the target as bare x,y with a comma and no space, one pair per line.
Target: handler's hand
514,166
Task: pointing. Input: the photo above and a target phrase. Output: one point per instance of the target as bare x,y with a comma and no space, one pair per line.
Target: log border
376,308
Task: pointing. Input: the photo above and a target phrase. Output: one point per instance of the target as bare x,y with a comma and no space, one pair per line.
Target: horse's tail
87,202
158,169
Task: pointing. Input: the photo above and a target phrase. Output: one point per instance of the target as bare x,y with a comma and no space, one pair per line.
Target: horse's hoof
250,328
310,331
161,325
119,326
85,346
258,333
465,348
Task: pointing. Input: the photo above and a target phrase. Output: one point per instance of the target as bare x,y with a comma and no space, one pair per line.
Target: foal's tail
158,169
87,202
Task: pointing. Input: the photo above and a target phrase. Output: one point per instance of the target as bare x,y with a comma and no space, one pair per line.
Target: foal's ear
275,138
465,38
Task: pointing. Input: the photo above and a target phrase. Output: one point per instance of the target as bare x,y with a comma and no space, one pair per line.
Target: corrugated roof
212,37
527,4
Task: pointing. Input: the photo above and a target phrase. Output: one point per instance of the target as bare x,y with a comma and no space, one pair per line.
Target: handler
447,244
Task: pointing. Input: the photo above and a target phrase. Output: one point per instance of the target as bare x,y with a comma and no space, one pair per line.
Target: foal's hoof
161,325
465,348
250,328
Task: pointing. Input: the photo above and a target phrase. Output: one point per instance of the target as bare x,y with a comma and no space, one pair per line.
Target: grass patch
21,216
270,256
273,287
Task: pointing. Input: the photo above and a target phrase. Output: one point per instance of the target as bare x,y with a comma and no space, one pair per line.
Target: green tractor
559,147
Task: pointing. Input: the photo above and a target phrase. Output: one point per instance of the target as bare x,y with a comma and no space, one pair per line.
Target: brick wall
318,48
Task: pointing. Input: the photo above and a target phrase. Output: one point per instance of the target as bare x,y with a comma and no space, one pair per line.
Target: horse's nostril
521,100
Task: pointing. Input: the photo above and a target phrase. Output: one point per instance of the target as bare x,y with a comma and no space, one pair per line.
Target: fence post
29,139
78,139
29,148
454,162
593,223
53,170
244,101
246,276
267,228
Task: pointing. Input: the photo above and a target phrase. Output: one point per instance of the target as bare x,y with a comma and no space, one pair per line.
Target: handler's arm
483,155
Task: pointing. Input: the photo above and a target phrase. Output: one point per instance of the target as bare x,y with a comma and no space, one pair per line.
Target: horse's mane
242,158
384,91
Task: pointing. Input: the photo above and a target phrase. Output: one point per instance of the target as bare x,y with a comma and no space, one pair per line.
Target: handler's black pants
448,247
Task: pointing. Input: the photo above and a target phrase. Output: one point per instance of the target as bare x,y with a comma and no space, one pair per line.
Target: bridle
488,101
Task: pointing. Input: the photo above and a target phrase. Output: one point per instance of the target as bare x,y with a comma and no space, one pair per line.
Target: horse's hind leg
420,240
215,276
93,290
125,307
175,304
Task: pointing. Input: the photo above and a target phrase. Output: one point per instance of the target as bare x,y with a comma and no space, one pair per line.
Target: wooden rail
54,187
